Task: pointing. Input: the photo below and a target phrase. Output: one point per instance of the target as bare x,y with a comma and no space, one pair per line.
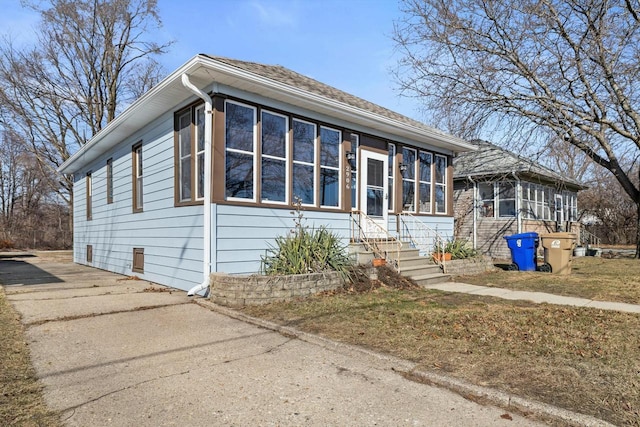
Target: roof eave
212,71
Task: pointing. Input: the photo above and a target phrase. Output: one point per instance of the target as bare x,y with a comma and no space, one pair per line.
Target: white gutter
475,208
208,112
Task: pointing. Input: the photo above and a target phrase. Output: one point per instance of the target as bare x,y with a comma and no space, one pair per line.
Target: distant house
201,173
498,193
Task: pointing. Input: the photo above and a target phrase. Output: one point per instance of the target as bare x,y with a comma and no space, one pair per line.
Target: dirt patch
386,277
21,398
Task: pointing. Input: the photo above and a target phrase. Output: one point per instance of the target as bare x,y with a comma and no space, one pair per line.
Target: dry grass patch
21,401
594,278
580,359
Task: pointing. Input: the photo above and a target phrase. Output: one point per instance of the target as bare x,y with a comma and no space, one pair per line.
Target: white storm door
374,193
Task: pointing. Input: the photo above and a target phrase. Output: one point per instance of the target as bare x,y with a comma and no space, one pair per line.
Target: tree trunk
638,231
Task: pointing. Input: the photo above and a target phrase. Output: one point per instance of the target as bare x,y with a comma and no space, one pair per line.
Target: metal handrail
358,234
588,239
422,237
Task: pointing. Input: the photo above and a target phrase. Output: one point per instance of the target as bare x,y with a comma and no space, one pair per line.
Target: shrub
460,249
306,251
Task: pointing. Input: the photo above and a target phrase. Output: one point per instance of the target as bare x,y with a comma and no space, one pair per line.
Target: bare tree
549,71
92,58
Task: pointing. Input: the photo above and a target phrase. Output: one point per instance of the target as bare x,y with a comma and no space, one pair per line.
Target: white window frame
498,200
391,150
414,180
284,159
313,164
443,185
194,151
235,150
338,168
420,182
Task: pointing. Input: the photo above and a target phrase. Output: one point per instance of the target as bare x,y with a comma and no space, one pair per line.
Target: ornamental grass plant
307,250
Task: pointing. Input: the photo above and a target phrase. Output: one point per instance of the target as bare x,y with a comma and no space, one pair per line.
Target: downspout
518,202
208,112
475,208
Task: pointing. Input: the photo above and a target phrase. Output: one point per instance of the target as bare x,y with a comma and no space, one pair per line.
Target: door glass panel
375,201
375,187
375,172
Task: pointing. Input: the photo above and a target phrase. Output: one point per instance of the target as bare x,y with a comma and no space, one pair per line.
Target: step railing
588,239
428,241
375,238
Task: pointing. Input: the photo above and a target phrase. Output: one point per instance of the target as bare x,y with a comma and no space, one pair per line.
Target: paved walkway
537,297
112,351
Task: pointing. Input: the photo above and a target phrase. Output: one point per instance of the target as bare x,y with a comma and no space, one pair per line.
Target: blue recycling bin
523,251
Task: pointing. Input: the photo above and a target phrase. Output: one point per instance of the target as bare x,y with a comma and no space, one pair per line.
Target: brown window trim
366,140
89,196
193,201
134,176
137,266
110,181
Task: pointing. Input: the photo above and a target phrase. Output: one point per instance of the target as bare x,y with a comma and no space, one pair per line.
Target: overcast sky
344,43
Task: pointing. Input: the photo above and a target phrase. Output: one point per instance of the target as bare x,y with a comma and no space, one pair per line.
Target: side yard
582,359
599,279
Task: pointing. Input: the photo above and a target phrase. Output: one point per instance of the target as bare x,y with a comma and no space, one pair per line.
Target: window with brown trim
89,253
409,180
425,160
441,184
89,197
392,175
189,152
109,181
304,162
137,173
240,151
138,260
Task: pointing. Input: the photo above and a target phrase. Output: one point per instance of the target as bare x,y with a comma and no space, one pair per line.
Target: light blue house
201,173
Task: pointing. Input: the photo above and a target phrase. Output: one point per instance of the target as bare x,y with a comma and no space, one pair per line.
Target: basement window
138,260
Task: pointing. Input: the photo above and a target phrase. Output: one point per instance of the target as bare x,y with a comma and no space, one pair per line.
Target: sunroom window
274,131
424,189
506,199
189,143
392,174
240,151
184,156
441,184
486,199
329,167
409,180
200,152
304,161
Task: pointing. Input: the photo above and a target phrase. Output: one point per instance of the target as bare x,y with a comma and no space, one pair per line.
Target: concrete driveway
114,351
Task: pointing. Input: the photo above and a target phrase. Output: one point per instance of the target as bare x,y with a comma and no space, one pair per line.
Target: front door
373,193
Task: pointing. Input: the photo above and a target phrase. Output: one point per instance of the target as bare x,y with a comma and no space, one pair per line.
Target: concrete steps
410,264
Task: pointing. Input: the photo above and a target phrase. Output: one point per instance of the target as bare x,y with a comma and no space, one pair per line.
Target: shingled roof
491,161
289,77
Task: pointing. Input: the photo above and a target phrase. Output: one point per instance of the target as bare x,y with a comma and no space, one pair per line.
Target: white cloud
270,14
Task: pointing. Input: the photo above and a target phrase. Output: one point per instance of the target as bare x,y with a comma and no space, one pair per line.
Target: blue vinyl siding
245,233
171,237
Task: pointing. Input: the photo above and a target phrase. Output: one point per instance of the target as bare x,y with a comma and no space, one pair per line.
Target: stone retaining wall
459,267
240,290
